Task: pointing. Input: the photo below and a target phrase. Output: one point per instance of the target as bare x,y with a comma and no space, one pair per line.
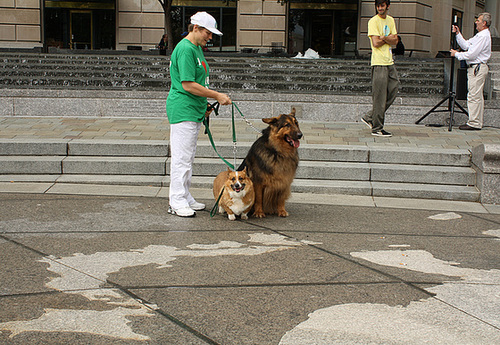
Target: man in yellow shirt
385,82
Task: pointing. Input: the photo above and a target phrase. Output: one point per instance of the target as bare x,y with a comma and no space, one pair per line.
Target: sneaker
185,211
197,206
382,133
366,122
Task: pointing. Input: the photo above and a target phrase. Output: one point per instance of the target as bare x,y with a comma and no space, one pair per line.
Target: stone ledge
486,162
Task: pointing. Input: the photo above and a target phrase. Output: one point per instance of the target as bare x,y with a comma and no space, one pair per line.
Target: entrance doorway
329,29
80,25
81,30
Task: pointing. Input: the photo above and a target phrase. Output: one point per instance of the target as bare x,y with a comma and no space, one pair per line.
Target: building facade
330,27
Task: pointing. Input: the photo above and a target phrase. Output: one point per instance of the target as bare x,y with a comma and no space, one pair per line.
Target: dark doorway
329,31
80,25
81,29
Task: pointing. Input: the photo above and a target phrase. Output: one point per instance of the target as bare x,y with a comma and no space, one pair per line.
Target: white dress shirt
477,49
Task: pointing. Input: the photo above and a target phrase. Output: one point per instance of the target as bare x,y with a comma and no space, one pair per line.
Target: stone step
98,165
82,147
31,164
249,86
365,69
395,172
367,188
158,148
332,187
359,172
434,77
82,165
30,58
338,76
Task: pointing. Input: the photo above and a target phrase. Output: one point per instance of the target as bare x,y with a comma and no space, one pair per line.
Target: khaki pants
385,85
475,100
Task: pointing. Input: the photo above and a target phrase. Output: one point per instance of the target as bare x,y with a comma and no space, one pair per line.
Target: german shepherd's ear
271,120
293,112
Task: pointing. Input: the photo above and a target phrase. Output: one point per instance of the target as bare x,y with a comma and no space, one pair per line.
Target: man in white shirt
477,52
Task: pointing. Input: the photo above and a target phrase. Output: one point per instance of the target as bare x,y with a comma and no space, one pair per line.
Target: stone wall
20,24
335,108
260,23
413,23
486,162
140,23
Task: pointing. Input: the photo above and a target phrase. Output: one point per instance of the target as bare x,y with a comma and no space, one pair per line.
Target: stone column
486,162
139,23
260,23
20,24
413,23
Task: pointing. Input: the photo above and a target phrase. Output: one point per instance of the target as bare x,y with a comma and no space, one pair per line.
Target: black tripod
451,98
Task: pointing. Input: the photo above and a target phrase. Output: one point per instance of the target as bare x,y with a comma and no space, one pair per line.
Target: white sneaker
197,206
185,211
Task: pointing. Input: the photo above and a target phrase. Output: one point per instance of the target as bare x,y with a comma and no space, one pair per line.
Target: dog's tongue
296,143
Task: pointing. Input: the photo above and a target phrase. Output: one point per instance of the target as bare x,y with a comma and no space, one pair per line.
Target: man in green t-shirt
186,108
385,82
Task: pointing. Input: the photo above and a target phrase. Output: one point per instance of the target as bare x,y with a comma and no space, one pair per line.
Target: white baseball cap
207,21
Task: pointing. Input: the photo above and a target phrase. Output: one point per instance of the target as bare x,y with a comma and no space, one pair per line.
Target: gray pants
385,85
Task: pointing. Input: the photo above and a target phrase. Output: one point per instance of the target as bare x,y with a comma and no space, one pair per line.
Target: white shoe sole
366,123
172,211
198,208
382,135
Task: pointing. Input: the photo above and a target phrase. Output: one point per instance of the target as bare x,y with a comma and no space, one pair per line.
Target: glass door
81,30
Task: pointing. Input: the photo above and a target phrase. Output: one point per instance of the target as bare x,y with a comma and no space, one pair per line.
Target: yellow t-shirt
381,27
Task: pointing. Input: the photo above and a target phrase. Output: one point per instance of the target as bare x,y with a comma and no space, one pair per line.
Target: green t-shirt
187,63
377,26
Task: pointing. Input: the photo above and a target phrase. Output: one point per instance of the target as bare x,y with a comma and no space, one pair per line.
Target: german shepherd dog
271,163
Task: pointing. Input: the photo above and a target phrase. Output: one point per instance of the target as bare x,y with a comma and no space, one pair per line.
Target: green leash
206,122
213,211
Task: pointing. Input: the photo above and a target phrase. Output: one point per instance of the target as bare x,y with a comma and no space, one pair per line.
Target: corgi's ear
293,112
245,170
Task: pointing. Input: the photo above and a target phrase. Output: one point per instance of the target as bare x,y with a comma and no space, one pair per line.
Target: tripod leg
430,111
461,108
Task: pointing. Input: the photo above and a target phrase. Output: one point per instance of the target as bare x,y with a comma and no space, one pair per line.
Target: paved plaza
120,270
106,264
323,133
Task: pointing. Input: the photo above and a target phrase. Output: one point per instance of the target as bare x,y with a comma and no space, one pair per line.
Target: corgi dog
272,162
238,196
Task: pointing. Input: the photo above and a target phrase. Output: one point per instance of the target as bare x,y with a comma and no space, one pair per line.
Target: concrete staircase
389,172
56,85
264,74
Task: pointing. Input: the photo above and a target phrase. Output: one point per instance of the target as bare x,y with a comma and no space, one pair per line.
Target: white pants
475,100
183,140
